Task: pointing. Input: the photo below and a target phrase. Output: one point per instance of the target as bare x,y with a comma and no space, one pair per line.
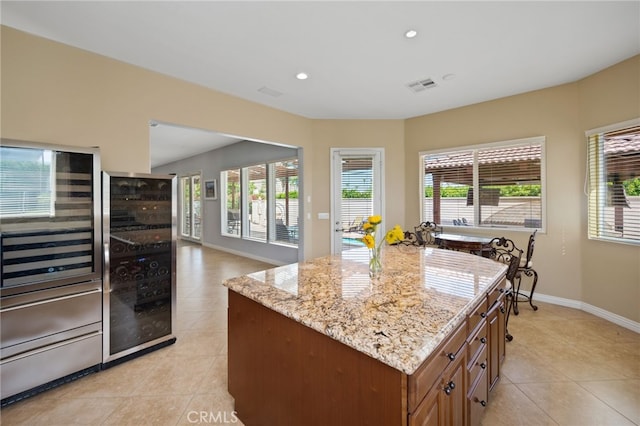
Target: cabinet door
502,318
478,399
496,323
494,347
428,412
453,396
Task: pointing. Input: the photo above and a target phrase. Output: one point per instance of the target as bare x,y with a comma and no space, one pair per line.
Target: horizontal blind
447,180
26,182
614,185
510,181
357,191
508,191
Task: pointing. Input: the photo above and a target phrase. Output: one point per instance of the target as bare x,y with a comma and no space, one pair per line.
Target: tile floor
564,367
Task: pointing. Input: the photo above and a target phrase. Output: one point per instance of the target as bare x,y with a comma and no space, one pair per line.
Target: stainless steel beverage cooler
139,224
51,266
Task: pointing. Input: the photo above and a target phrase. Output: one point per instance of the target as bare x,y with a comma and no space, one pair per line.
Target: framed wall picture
211,189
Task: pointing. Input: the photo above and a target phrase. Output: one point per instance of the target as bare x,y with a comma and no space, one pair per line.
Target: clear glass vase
375,263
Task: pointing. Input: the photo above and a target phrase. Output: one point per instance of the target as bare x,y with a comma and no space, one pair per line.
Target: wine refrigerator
139,226
51,266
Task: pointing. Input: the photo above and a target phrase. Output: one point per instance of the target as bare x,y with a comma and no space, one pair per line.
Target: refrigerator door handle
44,301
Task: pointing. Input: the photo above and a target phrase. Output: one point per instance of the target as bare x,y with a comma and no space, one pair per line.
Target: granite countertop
398,319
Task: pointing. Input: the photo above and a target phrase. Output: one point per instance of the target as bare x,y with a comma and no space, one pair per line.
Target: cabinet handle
450,387
451,356
482,402
502,309
483,365
483,315
483,340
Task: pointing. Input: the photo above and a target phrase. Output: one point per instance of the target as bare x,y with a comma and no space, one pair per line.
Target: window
256,198
613,183
231,201
261,202
284,182
494,185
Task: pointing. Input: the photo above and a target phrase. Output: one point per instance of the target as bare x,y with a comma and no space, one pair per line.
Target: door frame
378,186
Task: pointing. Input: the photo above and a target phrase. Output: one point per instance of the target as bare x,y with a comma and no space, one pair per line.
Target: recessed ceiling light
448,77
410,33
302,76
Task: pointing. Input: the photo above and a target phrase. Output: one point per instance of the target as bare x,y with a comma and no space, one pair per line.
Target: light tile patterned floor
564,367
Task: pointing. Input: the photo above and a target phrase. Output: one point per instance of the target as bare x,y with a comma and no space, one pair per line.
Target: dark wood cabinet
281,372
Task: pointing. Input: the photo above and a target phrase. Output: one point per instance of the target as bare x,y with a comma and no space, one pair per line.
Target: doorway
356,194
191,207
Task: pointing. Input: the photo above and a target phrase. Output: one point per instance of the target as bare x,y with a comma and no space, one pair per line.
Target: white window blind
27,177
357,190
614,184
493,185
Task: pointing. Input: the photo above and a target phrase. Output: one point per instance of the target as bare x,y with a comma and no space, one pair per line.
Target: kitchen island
320,342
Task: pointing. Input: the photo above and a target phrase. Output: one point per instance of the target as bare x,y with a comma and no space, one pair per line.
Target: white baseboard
244,254
594,310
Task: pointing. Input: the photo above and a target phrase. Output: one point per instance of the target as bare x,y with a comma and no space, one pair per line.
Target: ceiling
360,65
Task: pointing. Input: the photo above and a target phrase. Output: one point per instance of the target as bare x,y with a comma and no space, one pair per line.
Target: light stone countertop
398,319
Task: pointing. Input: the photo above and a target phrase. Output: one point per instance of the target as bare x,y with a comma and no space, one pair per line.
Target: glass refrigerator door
48,218
141,262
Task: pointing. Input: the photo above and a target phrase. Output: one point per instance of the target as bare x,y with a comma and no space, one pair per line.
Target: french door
191,207
357,193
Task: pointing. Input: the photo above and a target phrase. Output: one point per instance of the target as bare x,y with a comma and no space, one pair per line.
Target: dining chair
425,233
504,250
526,268
512,271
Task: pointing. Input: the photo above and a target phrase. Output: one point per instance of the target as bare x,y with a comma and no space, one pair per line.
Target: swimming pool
351,243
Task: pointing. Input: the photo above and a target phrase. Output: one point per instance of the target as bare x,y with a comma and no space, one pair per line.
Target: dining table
475,244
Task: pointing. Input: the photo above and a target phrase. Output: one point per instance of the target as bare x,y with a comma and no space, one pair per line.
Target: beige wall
610,272
327,134
603,275
54,93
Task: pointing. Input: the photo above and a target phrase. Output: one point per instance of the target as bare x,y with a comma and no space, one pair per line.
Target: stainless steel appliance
51,266
139,224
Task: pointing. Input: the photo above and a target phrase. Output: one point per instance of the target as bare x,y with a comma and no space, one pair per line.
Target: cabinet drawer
497,292
478,366
48,316
477,315
478,399
478,341
429,372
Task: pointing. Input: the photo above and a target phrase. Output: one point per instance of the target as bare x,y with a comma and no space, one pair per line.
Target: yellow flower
369,241
367,226
395,235
375,220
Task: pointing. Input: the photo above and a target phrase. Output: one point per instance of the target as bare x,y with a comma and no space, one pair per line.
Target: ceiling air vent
420,85
270,92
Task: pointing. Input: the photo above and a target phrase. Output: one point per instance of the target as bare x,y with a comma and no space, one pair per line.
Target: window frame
270,236
476,223
224,210
596,183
